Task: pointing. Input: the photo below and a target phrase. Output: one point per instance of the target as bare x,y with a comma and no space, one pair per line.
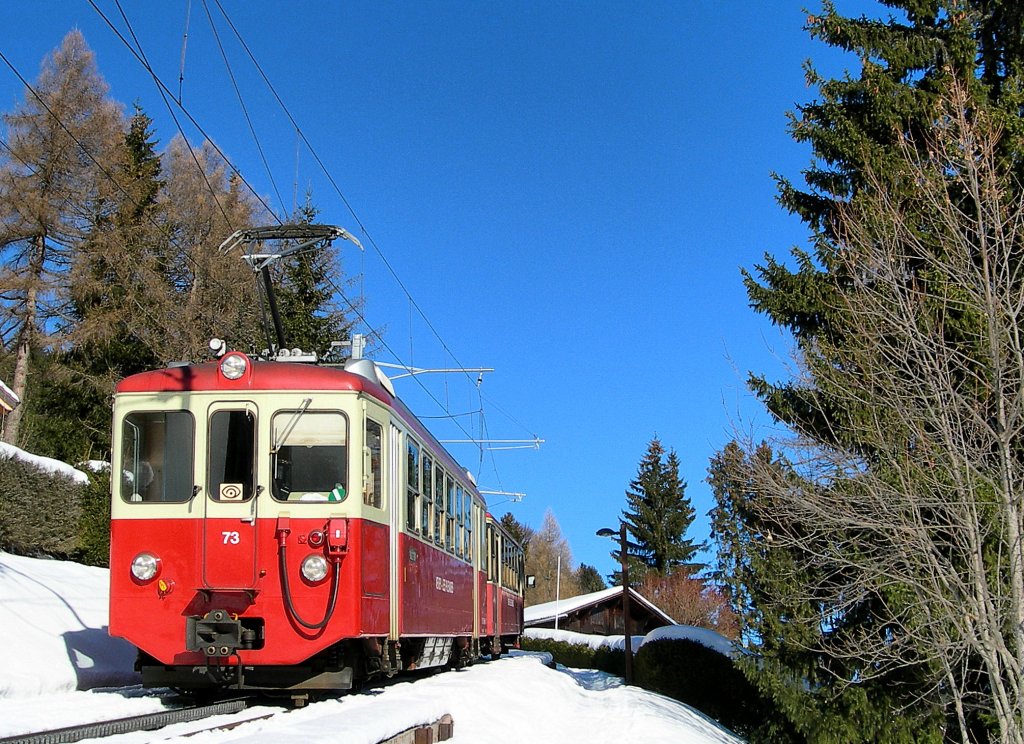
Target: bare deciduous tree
549,561
60,140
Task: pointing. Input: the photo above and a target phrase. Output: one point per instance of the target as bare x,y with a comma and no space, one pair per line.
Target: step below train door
229,525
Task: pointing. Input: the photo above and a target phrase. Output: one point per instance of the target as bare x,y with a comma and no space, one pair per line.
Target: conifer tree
214,295
115,285
658,516
589,579
521,533
308,288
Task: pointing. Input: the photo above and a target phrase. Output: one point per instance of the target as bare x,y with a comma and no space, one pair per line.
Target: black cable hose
288,595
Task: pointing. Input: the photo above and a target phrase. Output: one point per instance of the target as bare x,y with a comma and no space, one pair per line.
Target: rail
145,722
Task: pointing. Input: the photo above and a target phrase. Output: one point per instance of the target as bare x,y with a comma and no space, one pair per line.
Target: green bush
39,511
689,672
578,656
94,522
50,514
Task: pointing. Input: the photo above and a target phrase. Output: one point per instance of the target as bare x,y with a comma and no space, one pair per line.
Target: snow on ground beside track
53,618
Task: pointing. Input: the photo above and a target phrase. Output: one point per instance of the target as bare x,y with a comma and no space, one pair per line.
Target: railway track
145,722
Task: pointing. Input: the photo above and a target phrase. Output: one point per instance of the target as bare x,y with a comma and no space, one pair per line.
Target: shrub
578,656
39,511
94,521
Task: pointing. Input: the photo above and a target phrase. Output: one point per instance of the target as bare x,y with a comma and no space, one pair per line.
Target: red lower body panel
195,578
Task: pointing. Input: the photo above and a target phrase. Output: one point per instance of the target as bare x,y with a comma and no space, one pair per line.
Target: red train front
292,527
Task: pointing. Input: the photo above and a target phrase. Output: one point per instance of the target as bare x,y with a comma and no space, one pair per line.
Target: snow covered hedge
704,678
579,655
48,508
692,665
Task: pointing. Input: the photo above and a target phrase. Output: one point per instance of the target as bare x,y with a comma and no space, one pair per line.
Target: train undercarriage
344,666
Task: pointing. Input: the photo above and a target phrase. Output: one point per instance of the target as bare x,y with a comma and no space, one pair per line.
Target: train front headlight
314,568
145,566
233,366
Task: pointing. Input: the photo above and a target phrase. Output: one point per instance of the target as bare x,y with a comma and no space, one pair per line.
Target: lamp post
606,532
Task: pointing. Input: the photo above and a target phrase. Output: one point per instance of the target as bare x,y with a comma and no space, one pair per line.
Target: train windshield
156,456
310,462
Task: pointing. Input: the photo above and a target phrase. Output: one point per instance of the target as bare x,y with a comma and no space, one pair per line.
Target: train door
229,549
396,506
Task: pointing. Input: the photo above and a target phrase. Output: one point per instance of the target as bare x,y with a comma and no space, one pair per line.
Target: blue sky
567,190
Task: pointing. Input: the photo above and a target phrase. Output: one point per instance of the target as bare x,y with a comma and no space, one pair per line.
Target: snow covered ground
58,667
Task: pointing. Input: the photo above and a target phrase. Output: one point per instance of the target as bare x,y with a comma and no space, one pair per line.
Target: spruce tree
658,516
116,280
589,579
309,285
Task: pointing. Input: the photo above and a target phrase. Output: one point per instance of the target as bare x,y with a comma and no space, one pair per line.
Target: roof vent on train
295,355
366,368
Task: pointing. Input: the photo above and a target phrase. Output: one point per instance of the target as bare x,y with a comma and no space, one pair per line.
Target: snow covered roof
8,400
542,613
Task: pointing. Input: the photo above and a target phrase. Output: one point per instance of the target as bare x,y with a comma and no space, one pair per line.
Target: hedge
49,514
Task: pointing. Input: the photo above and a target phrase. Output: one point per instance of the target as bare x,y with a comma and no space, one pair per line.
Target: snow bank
703,636
46,464
53,619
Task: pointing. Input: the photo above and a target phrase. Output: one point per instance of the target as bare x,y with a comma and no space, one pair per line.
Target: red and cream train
289,526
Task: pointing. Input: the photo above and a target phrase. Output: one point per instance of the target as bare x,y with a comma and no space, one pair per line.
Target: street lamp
606,532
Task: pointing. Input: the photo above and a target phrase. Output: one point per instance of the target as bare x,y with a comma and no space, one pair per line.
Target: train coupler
218,633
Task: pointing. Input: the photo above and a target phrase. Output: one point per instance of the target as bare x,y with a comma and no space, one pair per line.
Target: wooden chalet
8,401
599,613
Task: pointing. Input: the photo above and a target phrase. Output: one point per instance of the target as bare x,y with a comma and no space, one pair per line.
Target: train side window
439,495
232,455
492,554
310,456
427,520
157,456
372,464
460,539
449,534
413,487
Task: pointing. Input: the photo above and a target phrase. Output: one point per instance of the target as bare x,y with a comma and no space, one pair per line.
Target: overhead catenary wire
162,88
245,110
184,45
164,92
413,304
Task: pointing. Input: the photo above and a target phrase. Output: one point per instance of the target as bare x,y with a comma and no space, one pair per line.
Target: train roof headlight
233,366
314,568
145,566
